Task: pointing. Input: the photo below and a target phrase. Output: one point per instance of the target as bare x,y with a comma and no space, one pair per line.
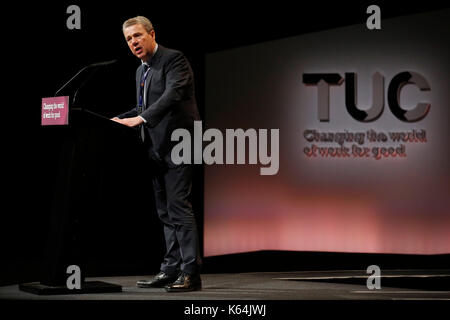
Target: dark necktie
142,86
141,97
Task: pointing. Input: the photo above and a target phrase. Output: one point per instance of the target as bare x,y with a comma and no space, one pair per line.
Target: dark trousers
172,187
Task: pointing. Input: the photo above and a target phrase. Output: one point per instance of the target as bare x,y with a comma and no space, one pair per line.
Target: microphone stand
94,65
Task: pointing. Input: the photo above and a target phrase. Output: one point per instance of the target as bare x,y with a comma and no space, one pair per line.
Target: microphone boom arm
94,65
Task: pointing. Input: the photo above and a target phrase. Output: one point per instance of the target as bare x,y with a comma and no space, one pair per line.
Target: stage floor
305,285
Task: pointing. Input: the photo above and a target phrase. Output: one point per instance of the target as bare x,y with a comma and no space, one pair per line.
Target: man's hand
129,122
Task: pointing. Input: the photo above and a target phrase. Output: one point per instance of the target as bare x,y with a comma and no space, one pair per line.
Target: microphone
94,65
104,63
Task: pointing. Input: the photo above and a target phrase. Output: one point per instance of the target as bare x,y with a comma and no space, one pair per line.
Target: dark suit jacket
170,99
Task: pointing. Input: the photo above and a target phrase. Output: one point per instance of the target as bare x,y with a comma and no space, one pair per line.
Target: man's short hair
148,26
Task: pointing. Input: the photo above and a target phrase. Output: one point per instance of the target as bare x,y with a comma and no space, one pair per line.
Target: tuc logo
324,80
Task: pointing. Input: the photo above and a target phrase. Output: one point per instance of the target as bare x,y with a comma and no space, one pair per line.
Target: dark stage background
40,54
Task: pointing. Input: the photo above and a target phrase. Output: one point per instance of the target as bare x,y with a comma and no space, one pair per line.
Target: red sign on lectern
55,111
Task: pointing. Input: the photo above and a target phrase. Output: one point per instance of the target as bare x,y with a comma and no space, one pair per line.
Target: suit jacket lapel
153,64
139,75
147,84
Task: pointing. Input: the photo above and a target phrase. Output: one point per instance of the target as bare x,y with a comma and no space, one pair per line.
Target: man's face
140,42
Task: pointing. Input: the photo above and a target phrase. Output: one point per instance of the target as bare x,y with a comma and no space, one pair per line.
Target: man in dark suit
166,101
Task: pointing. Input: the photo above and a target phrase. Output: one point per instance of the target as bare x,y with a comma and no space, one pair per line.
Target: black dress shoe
159,281
185,282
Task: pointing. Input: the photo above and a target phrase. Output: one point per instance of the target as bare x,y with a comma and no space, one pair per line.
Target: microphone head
104,63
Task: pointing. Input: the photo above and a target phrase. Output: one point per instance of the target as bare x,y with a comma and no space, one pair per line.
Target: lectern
90,143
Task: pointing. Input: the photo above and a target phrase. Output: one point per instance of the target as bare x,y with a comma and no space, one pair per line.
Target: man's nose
135,42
